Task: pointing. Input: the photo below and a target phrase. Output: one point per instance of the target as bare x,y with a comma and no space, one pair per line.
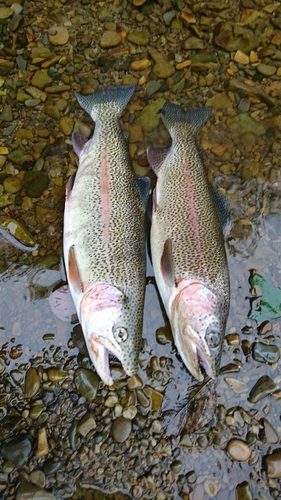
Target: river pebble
268,433
121,429
58,35
262,388
87,424
38,477
27,491
273,464
110,39
243,491
238,450
86,382
17,450
32,383
266,353
42,443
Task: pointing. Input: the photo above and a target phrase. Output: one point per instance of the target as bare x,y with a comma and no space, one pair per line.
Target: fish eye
121,334
212,336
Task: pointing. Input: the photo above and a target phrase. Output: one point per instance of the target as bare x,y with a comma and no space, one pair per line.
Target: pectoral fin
78,142
167,265
73,271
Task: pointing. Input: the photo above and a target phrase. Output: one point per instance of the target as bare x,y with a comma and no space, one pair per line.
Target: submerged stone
86,424
149,117
265,353
243,491
233,37
32,383
268,433
273,464
238,450
17,450
27,491
41,79
86,382
52,466
262,388
138,37
243,124
121,429
110,38
35,183
16,229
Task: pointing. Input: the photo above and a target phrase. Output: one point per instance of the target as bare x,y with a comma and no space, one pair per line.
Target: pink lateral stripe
105,189
191,210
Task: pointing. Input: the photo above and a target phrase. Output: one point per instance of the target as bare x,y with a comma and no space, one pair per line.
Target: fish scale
187,244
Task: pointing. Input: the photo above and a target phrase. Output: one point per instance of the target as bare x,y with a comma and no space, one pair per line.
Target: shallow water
31,335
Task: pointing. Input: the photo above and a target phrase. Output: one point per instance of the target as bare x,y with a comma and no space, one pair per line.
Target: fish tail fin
172,114
105,101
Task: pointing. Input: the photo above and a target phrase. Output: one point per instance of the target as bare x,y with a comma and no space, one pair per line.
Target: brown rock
110,39
140,65
273,464
58,35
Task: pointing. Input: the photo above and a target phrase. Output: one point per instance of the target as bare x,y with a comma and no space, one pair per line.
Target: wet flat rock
262,388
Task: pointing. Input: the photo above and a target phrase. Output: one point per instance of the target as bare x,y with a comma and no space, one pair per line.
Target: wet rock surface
158,434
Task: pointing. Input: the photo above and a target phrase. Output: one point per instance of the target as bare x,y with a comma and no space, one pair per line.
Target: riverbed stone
5,12
86,382
244,124
35,183
232,37
32,383
273,464
27,491
12,184
121,429
266,353
110,39
149,117
243,491
268,433
262,388
41,79
18,449
138,37
162,67
58,35
238,450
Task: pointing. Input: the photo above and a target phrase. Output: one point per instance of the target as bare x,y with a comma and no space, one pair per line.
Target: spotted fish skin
104,237
187,245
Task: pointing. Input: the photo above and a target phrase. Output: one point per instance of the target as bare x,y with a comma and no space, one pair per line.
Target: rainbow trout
187,244
104,237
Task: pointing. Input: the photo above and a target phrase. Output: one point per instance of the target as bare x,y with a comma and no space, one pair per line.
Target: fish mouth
99,349
194,356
